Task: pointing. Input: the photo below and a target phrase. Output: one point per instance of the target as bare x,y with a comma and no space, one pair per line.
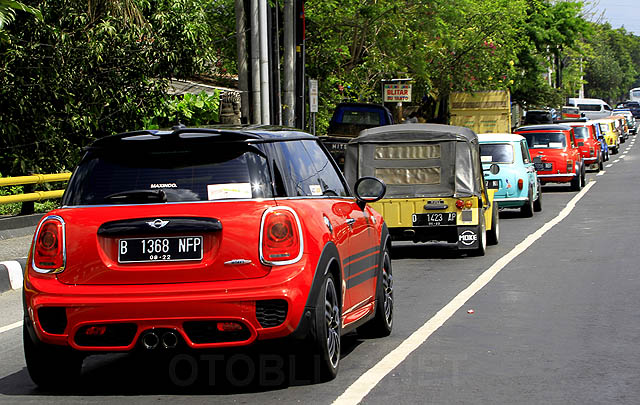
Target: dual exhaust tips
150,340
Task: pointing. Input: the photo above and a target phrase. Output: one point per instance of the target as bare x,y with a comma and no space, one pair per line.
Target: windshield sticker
229,190
315,189
486,159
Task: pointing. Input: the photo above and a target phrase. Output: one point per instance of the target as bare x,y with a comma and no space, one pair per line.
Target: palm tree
8,13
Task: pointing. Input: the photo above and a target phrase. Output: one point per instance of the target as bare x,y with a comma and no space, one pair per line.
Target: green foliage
86,72
190,110
613,65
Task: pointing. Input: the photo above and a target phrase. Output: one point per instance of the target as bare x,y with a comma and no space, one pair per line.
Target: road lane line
10,327
601,173
367,381
609,165
617,160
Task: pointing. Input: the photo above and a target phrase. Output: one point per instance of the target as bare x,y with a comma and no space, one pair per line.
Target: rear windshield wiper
137,196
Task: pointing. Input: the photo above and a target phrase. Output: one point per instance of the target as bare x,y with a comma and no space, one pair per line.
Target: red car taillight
569,166
49,246
459,204
520,184
280,237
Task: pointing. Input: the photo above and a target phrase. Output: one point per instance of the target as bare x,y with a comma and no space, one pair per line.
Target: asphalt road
558,323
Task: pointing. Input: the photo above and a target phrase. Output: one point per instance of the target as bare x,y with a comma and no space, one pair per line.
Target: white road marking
10,327
617,160
15,273
601,173
609,165
367,381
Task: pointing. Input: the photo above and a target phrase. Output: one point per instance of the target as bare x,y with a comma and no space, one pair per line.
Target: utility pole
274,64
241,47
300,62
289,95
256,113
264,63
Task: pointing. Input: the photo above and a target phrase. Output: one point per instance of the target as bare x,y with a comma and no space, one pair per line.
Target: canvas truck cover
417,160
482,111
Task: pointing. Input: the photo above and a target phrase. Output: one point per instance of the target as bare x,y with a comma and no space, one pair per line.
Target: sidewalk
15,238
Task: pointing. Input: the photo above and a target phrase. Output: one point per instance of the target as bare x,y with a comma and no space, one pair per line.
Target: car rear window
539,140
581,132
496,153
589,107
231,171
361,117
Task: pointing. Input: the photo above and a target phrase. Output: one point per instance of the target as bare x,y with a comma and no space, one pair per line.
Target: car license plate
166,249
434,219
544,166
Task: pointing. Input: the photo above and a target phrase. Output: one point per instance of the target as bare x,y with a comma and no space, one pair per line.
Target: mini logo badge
468,238
157,223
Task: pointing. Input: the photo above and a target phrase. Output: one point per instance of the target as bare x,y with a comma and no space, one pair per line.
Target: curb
11,274
17,226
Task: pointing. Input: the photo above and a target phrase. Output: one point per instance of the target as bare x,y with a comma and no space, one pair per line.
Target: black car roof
543,127
230,133
415,133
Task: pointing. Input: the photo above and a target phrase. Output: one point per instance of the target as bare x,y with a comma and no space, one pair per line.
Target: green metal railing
34,195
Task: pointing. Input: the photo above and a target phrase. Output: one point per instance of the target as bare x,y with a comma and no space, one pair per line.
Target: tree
8,10
84,71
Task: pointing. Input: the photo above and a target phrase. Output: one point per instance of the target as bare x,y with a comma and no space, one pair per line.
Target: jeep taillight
280,237
520,184
49,246
569,166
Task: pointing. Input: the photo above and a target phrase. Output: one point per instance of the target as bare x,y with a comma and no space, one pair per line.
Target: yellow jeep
435,185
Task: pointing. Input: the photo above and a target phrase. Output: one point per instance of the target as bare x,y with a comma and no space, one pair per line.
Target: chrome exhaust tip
169,340
150,340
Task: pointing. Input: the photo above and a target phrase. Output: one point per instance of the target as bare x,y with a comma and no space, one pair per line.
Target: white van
593,108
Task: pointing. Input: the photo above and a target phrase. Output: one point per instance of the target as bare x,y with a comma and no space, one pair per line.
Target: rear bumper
510,201
171,307
590,159
556,178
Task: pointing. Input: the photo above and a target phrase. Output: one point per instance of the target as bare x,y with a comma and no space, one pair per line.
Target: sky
618,13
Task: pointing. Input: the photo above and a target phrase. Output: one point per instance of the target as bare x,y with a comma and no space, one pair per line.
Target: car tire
601,165
576,183
481,250
51,367
583,180
527,209
537,204
326,344
493,235
382,324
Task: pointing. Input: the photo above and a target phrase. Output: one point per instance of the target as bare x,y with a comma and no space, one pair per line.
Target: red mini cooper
555,152
205,238
588,144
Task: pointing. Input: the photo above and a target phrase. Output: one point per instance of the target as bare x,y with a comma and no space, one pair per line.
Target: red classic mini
205,238
555,153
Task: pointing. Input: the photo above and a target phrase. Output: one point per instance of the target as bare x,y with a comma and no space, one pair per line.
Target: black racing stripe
360,254
359,265
361,278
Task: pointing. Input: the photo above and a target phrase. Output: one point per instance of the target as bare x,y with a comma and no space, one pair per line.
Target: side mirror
369,189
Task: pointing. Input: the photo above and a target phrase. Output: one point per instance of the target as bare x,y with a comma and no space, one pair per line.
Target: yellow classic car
435,184
608,129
